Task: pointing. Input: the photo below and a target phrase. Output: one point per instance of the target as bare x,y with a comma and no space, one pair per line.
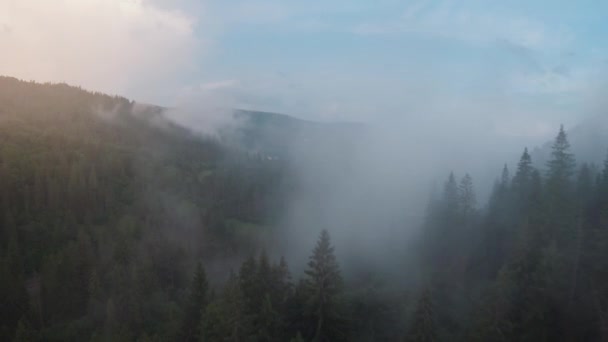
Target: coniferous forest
118,225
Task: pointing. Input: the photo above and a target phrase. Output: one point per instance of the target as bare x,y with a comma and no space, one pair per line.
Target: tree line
112,220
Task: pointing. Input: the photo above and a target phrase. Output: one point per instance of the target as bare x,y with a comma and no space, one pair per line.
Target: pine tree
281,286
562,163
324,288
267,319
225,318
251,291
560,201
451,196
423,323
524,172
191,323
467,197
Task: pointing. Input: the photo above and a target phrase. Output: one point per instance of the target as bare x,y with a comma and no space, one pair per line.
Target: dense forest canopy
118,225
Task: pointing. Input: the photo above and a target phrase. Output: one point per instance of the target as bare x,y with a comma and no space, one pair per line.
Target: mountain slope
96,186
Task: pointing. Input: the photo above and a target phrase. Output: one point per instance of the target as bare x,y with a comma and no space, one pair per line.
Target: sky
515,68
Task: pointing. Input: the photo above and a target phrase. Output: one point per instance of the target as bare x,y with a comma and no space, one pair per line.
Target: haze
397,94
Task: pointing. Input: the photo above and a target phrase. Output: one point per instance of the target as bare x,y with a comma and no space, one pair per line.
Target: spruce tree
197,301
524,171
324,287
560,191
562,163
225,318
522,183
451,196
467,197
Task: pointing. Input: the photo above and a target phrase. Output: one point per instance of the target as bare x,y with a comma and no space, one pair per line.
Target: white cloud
115,46
445,19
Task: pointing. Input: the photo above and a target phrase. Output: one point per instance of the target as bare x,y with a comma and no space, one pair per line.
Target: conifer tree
560,194
467,197
423,327
225,318
324,288
562,163
524,172
451,196
197,301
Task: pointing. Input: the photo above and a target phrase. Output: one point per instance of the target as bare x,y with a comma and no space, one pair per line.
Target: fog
507,83
369,184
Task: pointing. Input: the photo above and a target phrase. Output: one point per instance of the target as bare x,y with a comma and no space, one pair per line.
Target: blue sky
347,59
519,67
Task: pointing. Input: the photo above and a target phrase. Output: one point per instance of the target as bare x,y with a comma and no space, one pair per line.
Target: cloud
218,85
471,25
115,46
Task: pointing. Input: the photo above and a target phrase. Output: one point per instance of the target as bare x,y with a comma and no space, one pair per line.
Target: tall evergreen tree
323,290
225,318
561,165
197,302
451,196
467,197
524,170
560,194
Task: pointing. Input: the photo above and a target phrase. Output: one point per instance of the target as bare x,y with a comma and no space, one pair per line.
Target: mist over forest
266,170
121,223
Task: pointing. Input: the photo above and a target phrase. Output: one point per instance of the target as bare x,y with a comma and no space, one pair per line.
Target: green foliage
195,307
105,208
467,198
323,290
423,323
104,200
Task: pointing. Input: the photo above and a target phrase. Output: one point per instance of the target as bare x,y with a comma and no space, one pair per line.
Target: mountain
106,204
279,136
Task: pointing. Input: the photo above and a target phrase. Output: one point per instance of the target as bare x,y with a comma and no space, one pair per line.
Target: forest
118,225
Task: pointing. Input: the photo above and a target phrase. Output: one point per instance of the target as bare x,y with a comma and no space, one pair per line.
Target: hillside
117,224
282,136
96,184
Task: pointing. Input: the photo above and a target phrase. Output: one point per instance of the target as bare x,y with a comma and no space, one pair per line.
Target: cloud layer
115,46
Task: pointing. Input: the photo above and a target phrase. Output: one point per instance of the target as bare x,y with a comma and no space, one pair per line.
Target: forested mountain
119,225
104,203
278,136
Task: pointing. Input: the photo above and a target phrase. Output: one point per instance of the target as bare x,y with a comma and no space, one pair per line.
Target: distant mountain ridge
277,135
